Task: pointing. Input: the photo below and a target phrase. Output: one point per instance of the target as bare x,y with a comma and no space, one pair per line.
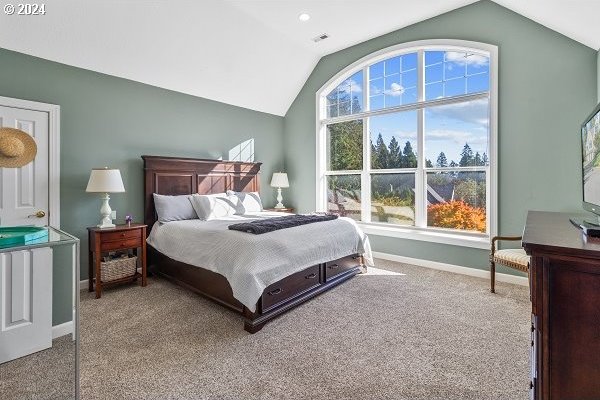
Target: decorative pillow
250,202
211,206
173,208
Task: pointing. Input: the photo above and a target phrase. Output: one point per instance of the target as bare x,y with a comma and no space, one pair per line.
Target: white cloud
451,142
458,137
472,112
401,135
443,134
395,89
467,58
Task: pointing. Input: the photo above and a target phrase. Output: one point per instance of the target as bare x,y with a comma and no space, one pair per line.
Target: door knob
39,214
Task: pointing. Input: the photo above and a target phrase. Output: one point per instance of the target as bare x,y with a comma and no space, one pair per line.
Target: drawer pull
276,291
311,276
333,266
122,235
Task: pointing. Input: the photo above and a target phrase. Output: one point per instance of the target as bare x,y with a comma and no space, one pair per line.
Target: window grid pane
393,82
393,198
454,73
344,145
457,200
393,140
344,195
346,98
457,135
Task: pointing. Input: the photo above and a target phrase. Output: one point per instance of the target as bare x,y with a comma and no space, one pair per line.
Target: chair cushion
516,258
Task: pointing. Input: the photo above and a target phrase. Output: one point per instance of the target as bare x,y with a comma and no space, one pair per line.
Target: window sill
464,240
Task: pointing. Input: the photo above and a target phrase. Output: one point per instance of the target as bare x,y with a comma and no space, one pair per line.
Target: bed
181,176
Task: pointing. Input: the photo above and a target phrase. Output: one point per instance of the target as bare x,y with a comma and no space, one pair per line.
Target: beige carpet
410,333
45,375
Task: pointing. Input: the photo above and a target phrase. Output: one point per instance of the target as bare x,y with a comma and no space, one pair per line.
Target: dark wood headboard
174,175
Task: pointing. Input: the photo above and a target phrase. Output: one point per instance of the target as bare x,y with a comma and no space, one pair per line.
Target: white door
25,276
25,302
24,191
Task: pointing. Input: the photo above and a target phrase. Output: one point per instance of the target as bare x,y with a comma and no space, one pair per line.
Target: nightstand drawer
121,235
120,244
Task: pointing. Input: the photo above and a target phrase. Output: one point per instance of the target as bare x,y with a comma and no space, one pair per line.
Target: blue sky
393,82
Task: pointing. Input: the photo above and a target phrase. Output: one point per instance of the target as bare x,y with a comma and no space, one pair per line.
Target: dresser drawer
290,287
336,267
121,244
122,235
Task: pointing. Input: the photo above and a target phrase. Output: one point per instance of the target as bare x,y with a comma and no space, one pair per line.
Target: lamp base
105,212
279,199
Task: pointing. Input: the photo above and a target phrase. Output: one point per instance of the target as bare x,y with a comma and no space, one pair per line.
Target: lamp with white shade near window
280,180
105,180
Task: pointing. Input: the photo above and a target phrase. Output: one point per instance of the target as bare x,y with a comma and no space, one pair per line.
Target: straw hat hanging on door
17,148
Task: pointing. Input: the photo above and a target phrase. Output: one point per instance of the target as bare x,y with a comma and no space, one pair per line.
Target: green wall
108,121
547,86
598,74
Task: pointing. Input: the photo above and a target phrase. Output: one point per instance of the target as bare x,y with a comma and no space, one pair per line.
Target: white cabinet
28,354
25,302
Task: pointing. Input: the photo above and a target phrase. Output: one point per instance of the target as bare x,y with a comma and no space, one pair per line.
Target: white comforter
252,262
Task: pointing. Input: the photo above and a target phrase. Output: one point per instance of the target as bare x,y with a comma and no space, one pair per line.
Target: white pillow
173,208
250,202
211,206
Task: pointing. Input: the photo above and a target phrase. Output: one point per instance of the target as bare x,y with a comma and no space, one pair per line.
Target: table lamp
105,180
280,180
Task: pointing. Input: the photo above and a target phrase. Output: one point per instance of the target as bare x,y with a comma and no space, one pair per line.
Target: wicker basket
118,268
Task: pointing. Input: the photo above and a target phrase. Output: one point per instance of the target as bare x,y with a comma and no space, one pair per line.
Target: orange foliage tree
456,215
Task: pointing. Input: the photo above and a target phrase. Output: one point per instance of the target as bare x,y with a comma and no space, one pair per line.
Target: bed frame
176,176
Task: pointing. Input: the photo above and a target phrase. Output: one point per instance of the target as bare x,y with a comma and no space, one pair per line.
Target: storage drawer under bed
336,267
290,287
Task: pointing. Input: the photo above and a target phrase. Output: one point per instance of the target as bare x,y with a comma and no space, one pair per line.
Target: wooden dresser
565,297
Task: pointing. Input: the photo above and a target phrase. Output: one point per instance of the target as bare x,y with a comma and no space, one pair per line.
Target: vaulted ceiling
250,53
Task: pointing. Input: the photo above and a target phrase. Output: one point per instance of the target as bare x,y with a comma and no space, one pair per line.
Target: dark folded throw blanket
272,224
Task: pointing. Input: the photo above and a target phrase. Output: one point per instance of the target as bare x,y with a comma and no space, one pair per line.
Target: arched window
406,142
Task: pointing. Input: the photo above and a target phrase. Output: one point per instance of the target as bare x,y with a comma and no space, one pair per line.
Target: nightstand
121,237
287,210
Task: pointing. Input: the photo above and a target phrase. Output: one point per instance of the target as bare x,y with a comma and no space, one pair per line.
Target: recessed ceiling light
304,17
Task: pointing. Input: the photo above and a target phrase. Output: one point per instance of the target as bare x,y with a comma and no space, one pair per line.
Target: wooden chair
513,258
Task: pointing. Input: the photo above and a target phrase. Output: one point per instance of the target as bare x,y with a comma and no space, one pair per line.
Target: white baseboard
457,269
62,329
479,273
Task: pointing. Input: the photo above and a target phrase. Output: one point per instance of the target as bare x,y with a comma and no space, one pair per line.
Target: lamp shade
105,180
280,180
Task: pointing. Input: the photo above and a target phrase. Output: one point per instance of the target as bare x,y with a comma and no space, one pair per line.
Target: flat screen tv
590,151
